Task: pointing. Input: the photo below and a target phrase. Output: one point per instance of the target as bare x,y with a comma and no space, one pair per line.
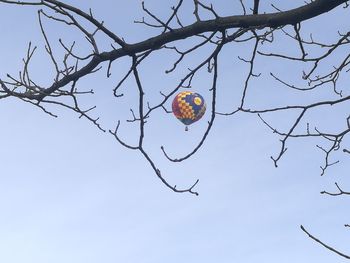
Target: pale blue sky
69,193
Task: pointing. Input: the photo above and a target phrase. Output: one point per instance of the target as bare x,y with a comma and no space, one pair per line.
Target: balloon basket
186,129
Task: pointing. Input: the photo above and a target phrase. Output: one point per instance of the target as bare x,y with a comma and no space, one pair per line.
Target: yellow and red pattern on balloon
188,107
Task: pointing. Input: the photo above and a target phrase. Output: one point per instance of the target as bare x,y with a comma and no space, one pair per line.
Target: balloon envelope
188,107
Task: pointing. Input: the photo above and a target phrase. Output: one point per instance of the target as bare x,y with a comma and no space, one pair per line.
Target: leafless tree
250,26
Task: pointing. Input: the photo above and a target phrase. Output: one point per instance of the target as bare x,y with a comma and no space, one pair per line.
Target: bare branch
324,245
341,192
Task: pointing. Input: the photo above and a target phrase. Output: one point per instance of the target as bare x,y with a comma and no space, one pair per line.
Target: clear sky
70,193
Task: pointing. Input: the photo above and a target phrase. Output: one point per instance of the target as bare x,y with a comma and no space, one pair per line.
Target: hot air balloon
188,107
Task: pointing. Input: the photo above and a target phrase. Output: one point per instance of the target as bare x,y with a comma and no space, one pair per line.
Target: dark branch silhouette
211,32
325,245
